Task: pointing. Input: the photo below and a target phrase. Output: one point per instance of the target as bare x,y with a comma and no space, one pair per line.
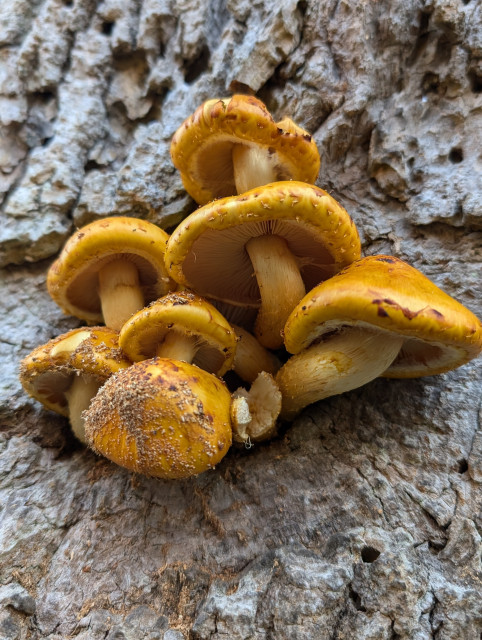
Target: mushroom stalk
178,346
253,167
280,284
120,292
79,396
251,357
344,362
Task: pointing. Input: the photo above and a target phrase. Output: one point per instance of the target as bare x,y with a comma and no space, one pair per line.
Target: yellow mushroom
110,269
379,316
66,373
161,417
290,235
231,145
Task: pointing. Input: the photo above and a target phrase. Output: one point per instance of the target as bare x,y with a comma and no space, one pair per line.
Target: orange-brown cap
206,252
202,148
72,280
185,314
161,417
385,293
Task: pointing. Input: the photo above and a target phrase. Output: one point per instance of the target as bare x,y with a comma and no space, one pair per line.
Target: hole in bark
90,165
369,554
68,3
107,27
456,155
463,466
475,82
430,83
422,37
195,68
356,600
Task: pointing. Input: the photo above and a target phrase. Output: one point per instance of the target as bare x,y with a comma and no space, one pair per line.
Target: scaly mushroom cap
385,293
207,251
182,313
161,417
48,371
72,280
202,148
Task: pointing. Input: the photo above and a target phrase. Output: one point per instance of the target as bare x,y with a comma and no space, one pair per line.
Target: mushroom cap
161,417
207,251
47,372
202,146
386,293
187,313
72,280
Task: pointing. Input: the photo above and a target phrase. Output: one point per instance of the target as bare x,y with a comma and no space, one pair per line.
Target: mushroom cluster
264,283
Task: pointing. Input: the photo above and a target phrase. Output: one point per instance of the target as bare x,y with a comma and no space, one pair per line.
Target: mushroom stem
251,357
79,396
253,167
281,286
178,346
343,362
120,292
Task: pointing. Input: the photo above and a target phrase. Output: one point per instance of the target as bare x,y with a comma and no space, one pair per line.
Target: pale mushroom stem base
79,396
343,362
177,346
280,284
253,167
120,293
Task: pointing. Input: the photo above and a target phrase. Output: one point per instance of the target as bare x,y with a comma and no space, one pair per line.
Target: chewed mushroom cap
72,280
161,417
47,372
187,313
386,293
207,252
202,146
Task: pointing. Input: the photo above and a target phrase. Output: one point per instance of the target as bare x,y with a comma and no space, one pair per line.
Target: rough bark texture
363,519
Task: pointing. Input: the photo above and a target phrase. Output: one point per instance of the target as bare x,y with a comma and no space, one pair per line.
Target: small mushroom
290,234
110,269
161,417
231,145
379,316
254,413
66,373
183,326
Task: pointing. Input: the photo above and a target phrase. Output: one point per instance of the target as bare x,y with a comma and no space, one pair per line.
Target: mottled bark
363,518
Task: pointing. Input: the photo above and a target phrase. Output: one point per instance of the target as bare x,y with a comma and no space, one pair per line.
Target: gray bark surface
362,519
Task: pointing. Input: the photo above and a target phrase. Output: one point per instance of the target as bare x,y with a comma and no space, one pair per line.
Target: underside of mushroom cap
72,280
48,371
202,148
207,250
386,293
186,313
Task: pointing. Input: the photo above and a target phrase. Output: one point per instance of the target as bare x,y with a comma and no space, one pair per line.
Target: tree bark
362,519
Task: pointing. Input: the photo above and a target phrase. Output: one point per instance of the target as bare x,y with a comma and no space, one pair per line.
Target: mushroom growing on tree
110,269
379,316
231,145
66,373
182,326
161,417
292,235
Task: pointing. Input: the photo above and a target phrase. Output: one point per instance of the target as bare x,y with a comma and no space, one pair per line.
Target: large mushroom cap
385,293
187,315
72,280
162,418
207,250
202,148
